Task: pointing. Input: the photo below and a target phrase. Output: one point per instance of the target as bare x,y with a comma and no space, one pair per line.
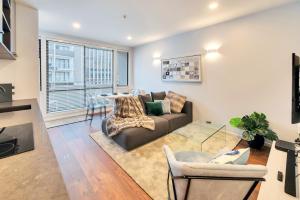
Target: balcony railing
67,99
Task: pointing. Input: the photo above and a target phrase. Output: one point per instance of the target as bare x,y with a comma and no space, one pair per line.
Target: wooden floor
256,157
89,173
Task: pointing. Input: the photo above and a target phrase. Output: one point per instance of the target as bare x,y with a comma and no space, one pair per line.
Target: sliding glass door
74,73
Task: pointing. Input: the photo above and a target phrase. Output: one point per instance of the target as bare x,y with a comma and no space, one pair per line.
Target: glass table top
200,132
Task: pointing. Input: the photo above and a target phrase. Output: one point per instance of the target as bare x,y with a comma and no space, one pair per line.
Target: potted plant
256,129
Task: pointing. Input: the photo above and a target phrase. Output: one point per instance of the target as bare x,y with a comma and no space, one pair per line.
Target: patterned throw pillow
177,101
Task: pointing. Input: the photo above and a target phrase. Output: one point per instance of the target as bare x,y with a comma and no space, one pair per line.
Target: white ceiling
147,20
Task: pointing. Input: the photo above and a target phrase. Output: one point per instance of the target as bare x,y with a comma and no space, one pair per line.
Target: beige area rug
147,164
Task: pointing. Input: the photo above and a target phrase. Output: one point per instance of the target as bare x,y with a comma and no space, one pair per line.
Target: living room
149,99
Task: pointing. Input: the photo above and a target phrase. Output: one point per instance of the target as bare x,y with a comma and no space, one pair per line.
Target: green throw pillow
154,108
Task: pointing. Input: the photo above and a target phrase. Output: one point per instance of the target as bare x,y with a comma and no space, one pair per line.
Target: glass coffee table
203,132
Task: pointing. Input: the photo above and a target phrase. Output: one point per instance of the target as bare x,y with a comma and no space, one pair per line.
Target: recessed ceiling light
129,37
76,25
213,5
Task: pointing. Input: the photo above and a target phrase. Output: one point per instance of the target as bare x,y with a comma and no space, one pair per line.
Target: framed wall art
181,69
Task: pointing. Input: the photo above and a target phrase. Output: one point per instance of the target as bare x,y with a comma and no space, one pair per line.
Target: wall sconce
156,59
212,51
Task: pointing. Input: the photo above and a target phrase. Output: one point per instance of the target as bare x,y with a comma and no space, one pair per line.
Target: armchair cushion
241,158
192,156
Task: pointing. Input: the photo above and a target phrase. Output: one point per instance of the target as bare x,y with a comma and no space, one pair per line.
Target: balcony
67,99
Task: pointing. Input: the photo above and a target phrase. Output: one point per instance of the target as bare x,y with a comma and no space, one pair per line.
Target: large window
75,72
122,65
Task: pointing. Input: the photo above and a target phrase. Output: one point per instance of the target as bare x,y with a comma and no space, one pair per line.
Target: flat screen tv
295,89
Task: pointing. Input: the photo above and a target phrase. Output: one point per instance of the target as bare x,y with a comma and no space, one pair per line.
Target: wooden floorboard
90,173
259,157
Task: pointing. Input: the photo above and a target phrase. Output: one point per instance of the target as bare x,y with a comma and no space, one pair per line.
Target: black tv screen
295,89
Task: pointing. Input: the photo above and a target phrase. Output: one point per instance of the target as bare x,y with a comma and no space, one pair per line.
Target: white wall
253,72
23,72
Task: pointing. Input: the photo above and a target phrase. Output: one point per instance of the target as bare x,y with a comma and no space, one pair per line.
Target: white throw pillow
166,106
240,159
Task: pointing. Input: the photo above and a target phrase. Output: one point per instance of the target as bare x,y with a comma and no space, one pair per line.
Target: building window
63,63
122,68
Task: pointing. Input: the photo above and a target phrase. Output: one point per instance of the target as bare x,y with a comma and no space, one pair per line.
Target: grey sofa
131,138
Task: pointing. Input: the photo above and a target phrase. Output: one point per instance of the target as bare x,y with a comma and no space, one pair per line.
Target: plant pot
257,143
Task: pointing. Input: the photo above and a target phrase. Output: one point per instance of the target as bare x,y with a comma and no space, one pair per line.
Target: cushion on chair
193,156
239,159
177,101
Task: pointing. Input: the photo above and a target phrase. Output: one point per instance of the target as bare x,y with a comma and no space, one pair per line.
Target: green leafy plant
253,124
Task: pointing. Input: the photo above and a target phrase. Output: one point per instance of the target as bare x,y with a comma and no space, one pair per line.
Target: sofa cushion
154,108
131,138
158,95
166,105
143,99
176,120
177,101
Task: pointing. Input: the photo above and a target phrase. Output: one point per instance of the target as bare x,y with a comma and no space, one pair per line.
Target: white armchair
209,181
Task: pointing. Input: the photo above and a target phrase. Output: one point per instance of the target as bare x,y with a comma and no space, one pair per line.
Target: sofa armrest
188,109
